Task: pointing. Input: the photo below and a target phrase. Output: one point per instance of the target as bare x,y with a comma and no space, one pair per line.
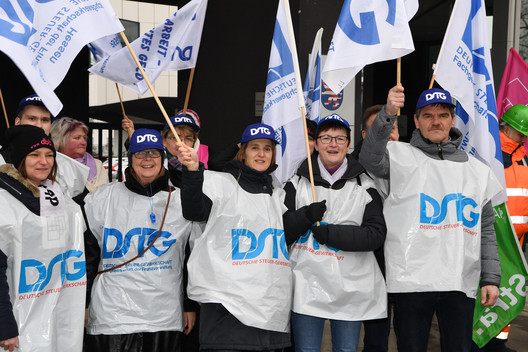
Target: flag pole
156,98
432,77
398,77
3,108
189,85
300,95
125,117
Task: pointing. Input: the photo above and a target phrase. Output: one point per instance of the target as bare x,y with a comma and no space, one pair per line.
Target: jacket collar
159,184
353,170
511,147
20,188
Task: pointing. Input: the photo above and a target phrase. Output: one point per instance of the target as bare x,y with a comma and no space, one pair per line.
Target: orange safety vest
516,186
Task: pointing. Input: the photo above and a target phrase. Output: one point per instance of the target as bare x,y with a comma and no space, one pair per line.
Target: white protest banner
312,82
283,97
367,31
43,37
172,45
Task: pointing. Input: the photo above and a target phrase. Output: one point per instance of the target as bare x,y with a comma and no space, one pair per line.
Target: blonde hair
62,128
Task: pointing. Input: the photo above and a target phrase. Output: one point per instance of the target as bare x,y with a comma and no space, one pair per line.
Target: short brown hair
241,154
374,109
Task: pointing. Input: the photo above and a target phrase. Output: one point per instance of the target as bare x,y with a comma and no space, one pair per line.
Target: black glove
315,211
320,233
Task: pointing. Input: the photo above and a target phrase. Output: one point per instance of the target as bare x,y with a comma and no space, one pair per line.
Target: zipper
440,154
13,188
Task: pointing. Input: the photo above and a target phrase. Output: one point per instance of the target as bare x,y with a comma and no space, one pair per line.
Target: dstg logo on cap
182,119
259,130
335,118
435,95
147,138
256,131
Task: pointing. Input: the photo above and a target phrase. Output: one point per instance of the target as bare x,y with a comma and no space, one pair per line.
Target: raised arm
374,155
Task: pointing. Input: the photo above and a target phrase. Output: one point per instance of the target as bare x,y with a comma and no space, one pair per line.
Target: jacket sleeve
93,256
374,155
296,222
369,236
196,206
8,324
490,271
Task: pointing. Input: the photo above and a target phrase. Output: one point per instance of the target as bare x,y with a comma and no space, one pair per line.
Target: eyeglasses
326,139
143,154
186,139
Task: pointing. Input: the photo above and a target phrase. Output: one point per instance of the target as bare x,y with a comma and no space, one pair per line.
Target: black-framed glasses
326,139
186,139
143,154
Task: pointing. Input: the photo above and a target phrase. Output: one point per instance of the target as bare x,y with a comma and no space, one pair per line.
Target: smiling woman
39,225
136,249
70,137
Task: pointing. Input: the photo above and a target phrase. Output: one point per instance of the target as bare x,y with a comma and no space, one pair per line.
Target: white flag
464,69
44,37
284,97
312,83
367,31
105,46
171,46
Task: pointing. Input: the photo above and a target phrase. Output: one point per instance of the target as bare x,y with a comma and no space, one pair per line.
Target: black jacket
27,194
370,235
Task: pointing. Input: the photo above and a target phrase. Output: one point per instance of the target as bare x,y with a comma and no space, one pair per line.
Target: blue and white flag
464,69
171,46
367,31
44,37
283,98
312,83
105,46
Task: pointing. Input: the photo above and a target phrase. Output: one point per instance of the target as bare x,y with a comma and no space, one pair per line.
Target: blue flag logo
286,66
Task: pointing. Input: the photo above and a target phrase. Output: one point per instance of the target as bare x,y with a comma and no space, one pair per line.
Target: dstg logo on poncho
257,244
440,209
61,262
115,245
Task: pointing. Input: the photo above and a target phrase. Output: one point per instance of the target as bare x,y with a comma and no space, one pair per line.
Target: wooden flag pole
432,81
187,95
306,142
125,117
398,77
150,87
3,108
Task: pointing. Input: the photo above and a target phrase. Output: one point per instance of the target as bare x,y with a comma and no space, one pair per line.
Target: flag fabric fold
312,82
281,100
367,32
464,69
171,46
514,84
43,38
105,46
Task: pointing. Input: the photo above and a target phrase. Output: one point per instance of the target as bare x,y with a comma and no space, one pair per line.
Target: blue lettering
257,244
45,275
439,212
122,244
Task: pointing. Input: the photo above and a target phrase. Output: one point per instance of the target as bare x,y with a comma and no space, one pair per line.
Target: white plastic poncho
46,270
145,295
241,260
71,175
433,221
331,283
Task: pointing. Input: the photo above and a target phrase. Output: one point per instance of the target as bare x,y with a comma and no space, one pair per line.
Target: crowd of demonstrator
133,266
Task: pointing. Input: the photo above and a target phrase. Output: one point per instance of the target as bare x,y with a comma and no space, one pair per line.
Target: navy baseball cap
335,118
32,99
256,131
434,96
182,119
145,139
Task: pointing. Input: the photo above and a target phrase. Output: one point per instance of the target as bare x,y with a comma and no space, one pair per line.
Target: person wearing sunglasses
140,237
335,273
